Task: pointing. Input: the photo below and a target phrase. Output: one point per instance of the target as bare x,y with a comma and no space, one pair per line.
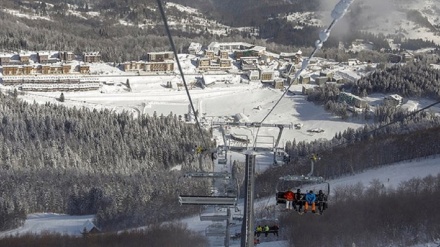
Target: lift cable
392,122
316,155
337,13
173,47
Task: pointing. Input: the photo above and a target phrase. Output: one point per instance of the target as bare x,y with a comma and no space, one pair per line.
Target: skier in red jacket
289,195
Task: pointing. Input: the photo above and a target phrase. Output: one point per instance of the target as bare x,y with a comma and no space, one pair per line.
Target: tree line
416,79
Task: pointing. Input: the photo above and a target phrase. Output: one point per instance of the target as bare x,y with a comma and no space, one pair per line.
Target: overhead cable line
337,13
379,128
173,47
393,122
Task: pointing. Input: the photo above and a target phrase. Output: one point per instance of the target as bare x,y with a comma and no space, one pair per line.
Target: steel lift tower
247,228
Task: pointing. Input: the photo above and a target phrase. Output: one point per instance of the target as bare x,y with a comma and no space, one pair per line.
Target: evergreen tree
61,98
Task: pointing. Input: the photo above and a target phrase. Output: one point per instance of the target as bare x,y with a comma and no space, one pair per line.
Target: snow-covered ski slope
396,173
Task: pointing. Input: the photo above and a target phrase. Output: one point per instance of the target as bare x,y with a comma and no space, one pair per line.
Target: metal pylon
247,228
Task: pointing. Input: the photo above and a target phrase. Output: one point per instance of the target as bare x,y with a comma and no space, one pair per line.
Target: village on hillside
58,71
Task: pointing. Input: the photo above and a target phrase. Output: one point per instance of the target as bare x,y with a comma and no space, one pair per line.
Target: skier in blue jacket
310,200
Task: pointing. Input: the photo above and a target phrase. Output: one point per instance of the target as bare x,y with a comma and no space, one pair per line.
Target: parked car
298,126
316,130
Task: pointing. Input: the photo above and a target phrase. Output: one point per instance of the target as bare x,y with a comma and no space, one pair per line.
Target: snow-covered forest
416,79
412,80
78,161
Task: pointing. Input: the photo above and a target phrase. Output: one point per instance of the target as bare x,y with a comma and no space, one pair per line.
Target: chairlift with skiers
266,230
309,182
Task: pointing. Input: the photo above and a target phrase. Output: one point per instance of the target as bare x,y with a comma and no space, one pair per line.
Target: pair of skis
316,213
301,213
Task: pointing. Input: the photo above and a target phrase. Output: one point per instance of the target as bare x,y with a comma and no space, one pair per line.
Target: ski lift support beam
241,149
279,136
247,227
202,154
214,232
308,177
303,178
223,134
213,217
254,124
207,200
224,175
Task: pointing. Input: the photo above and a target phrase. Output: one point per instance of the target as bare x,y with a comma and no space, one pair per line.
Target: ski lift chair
273,224
301,181
213,213
219,198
